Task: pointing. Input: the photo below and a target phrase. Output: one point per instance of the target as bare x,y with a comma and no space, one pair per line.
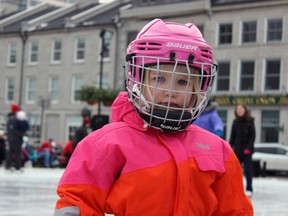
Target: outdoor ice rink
32,193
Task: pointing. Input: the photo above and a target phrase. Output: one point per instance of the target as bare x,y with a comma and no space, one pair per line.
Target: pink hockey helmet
169,43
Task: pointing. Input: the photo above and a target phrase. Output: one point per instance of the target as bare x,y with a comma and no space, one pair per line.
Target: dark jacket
23,126
14,134
242,135
80,133
2,149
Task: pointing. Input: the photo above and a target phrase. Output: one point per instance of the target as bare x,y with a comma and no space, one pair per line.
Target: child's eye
183,82
159,79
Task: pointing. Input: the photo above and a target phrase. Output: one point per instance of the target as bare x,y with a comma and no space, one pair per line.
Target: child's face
174,87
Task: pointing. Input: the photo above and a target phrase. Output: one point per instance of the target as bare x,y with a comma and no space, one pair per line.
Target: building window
274,30
225,33
247,76
12,53
73,123
249,32
270,126
201,29
35,128
223,78
33,53
105,80
31,90
54,89
34,2
10,88
77,83
56,51
22,5
79,54
272,79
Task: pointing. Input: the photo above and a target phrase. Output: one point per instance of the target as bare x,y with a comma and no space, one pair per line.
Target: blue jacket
210,121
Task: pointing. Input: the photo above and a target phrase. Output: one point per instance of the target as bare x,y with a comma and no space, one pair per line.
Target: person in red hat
17,125
14,108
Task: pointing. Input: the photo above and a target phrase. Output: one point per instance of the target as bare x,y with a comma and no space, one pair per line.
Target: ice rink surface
33,193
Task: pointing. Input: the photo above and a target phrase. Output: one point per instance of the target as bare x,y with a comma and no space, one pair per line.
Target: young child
210,119
150,160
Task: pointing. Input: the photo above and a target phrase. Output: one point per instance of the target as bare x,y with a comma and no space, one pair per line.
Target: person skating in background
17,126
47,153
2,147
210,120
66,153
242,141
29,152
150,160
81,131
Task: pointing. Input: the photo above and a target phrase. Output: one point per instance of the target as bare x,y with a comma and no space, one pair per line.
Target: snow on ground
33,193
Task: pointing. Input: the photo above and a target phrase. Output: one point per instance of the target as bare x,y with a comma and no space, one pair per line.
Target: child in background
210,120
150,160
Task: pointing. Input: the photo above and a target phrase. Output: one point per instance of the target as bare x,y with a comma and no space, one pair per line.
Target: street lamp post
98,121
44,104
102,33
105,36
24,37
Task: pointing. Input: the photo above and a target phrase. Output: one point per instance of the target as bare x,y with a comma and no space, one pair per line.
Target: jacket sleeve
252,134
229,190
86,182
233,134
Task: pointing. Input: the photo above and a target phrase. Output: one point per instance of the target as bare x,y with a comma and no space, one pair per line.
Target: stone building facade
249,46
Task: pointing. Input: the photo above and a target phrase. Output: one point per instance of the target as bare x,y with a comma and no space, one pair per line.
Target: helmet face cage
144,95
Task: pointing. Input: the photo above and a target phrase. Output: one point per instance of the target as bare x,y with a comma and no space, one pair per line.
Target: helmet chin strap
168,122
160,119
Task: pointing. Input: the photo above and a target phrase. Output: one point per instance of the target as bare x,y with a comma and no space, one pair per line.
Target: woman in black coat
242,141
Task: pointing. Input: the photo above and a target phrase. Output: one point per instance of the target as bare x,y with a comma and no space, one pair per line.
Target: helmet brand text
182,46
168,127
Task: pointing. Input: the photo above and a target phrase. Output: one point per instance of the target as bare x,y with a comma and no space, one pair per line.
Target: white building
46,59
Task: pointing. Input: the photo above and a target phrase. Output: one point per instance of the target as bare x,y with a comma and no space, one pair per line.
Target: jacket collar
123,110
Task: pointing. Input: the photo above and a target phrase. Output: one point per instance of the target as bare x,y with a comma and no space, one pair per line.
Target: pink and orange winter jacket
126,168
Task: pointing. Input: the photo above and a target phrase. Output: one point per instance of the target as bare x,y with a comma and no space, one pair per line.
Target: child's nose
170,91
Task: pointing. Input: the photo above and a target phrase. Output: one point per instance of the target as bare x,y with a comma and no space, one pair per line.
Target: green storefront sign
252,100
